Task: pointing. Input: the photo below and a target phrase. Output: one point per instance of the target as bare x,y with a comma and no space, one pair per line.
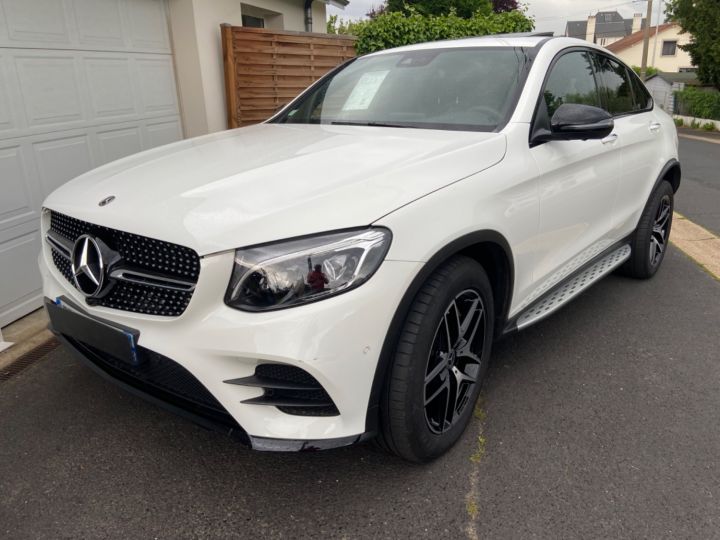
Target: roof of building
576,29
637,37
687,77
608,24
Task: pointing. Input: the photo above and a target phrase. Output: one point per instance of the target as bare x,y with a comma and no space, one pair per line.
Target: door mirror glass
574,121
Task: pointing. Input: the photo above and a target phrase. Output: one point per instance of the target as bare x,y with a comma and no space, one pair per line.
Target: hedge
698,103
396,29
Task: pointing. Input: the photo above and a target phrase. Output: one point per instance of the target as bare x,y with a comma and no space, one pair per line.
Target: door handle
655,126
609,139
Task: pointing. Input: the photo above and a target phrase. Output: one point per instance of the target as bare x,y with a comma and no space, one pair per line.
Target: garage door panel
161,133
36,21
118,143
62,159
148,25
156,82
110,87
20,286
7,123
99,23
50,89
18,203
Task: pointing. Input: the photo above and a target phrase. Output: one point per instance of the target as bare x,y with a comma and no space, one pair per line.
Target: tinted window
616,85
460,89
641,97
571,81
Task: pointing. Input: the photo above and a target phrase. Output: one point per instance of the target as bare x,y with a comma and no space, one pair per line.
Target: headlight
285,274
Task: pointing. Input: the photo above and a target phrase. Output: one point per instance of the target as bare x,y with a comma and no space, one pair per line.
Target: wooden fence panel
265,69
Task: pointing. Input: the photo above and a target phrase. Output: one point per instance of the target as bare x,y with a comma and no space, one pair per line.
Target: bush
396,29
679,122
699,103
649,70
695,124
709,126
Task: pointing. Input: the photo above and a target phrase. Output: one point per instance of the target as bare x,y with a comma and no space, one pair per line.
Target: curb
698,243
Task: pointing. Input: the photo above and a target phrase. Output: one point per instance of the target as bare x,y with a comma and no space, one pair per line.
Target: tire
411,428
650,239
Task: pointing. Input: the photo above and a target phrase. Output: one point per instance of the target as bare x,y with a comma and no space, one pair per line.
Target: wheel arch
487,247
672,173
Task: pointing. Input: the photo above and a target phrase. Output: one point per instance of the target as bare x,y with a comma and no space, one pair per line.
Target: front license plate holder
116,340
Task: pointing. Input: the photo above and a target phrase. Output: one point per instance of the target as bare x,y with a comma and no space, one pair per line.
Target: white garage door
82,82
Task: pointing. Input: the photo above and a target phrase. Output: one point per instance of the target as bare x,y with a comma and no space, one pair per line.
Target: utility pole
646,41
657,31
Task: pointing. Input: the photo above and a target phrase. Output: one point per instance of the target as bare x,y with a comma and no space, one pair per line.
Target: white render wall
632,56
195,30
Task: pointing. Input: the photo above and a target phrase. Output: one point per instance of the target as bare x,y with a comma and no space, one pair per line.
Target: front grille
155,256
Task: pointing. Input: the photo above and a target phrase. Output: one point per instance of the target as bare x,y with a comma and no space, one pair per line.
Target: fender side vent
290,389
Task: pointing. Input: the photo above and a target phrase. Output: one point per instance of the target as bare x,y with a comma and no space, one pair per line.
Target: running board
571,288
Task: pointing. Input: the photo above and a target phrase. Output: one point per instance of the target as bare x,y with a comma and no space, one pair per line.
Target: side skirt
572,286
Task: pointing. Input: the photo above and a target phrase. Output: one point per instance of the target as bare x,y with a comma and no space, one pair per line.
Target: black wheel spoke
438,369
454,361
659,232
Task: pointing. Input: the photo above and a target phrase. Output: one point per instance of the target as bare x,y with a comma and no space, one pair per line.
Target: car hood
273,181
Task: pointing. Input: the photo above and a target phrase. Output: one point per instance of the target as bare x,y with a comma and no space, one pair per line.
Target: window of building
253,22
669,48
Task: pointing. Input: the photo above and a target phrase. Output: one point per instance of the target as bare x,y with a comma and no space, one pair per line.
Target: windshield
453,89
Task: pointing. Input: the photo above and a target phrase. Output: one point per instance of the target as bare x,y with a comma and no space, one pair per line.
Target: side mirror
573,122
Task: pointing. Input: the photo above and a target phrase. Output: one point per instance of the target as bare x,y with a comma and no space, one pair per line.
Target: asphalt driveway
699,196
601,421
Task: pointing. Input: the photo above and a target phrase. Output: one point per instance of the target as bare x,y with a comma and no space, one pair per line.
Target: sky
550,15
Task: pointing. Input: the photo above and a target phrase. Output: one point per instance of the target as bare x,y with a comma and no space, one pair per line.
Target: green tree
701,19
463,8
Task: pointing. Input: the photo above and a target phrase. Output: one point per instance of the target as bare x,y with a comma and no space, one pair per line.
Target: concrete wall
633,55
195,29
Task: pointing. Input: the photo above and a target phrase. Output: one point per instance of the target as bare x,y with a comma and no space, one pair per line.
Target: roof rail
525,34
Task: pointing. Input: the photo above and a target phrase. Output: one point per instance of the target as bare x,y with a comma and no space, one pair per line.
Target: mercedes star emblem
87,266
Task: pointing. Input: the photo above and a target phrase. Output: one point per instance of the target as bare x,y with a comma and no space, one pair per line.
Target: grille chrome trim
155,280
60,244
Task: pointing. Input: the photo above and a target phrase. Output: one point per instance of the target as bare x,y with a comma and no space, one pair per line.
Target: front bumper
337,341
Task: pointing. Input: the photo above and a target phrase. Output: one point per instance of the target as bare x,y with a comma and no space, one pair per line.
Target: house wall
633,54
195,29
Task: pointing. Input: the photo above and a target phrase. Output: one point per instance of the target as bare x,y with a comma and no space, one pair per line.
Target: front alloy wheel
453,366
440,360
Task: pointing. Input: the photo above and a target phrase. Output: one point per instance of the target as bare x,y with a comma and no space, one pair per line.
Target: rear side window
642,101
571,81
617,87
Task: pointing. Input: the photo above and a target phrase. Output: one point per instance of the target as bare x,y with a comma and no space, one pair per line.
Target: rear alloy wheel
650,240
439,363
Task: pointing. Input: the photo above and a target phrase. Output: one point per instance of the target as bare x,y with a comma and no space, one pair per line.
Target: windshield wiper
372,124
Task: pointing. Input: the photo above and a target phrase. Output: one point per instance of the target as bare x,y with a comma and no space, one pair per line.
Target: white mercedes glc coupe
340,271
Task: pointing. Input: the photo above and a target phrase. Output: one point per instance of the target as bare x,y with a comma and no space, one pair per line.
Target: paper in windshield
364,91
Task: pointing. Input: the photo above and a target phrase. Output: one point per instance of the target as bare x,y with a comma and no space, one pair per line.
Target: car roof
528,40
